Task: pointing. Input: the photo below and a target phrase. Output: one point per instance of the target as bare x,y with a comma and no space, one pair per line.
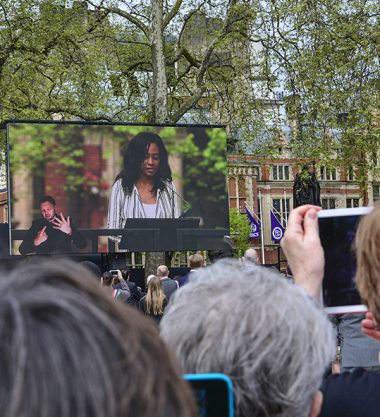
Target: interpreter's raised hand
41,237
303,249
62,224
370,326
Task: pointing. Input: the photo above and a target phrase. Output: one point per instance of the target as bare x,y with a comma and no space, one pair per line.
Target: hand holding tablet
337,229
324,265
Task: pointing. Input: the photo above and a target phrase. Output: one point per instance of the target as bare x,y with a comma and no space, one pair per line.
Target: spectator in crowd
269,336
149,277
356,350
250,255
349,394
67,350
113,286
93,268
120,287
154,302
106,282
168,284
195,261
135,291
225,251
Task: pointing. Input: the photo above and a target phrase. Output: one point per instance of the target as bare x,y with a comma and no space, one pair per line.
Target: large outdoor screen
90,188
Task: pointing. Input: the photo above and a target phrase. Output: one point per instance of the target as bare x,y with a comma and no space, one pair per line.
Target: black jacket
57,242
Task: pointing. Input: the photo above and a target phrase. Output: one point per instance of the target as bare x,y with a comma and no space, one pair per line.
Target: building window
232,192
376,192
241,194
280,172
328,203
237,193
327,174
352,202
281,210
350,174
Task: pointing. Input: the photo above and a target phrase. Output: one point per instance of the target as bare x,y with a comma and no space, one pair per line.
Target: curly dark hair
135,155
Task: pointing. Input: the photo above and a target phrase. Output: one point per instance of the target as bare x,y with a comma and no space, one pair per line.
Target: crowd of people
74,346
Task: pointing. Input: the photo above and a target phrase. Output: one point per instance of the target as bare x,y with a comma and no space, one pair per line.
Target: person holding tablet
350,394
144,187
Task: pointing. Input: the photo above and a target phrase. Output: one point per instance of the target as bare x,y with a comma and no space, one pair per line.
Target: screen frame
8,123
337,213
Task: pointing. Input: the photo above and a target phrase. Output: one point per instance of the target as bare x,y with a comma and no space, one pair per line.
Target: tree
179,63
155,23
51,61
240,230
327,54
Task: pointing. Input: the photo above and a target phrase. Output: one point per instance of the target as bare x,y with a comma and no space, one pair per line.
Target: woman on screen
144,187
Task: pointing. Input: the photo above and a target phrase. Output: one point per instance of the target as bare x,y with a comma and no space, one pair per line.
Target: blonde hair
367,243
155,297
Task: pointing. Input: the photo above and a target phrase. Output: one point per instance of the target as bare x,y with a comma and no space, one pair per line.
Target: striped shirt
124,206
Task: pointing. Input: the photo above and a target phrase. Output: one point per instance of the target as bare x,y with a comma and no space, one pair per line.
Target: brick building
250,178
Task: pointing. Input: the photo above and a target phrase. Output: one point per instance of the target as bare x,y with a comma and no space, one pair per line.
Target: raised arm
303,248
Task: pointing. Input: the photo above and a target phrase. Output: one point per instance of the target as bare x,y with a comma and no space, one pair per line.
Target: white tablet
337,228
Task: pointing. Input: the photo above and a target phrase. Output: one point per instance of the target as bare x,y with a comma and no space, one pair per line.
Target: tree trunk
159,104
160,89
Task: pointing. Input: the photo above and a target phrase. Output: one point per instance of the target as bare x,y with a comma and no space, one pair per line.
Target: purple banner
277,231
255,227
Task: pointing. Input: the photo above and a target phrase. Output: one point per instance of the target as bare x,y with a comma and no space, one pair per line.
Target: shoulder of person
356,381
351,394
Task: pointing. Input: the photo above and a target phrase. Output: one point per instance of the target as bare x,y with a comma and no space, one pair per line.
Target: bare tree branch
172,13
122,13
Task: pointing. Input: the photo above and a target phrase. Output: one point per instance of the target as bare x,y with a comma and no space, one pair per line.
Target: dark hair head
135,155
68,350
126,273
92,267
46,198
225,251
107,278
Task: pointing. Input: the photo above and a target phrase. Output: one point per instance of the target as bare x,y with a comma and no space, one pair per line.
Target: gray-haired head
68,350
250,255
249,323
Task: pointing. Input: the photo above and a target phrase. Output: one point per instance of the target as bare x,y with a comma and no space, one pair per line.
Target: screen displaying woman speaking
116,187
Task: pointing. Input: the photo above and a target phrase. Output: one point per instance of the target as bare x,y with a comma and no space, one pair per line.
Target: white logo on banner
277,233
254,231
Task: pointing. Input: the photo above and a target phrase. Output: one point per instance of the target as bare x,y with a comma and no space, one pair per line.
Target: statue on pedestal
306,189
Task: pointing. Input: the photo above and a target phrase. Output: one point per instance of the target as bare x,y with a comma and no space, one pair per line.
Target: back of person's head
250,255
265,333
155,296
162,271
225,251
149,278
367,243
68,350
107,278
196,261
93,268
115,280
126,273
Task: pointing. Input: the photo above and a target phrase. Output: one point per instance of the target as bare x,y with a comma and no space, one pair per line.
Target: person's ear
316,404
